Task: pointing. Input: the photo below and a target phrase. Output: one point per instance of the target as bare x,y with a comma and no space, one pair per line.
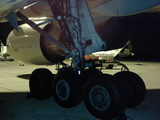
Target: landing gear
67,88
109,67
124,67
104,97
40,84
134,86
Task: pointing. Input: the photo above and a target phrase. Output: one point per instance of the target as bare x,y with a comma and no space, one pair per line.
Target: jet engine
29,46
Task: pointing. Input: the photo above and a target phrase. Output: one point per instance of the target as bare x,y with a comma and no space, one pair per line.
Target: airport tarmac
14,105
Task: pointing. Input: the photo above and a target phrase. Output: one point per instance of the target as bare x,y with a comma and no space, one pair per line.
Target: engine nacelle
29,46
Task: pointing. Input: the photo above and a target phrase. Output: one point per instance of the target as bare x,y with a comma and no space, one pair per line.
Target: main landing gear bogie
105,96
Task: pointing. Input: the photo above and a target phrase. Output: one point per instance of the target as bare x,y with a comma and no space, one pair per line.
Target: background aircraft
110,55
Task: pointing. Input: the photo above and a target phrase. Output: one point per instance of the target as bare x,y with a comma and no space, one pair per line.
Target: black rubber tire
109,67
89,73
109,93
67,88
134,85
40,83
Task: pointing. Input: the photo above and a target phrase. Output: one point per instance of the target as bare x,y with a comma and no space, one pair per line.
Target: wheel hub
62,90
99,98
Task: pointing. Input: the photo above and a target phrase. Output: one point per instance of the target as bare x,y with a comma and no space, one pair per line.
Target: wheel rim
62,90
99,98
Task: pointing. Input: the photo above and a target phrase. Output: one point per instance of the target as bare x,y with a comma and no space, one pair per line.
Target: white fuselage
107,55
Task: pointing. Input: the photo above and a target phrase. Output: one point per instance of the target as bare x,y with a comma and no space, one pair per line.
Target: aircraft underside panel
123,7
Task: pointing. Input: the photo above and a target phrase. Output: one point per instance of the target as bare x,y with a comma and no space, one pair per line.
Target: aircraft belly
7,6
98,8
124,7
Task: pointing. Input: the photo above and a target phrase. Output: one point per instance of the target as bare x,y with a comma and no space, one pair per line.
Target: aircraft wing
101,10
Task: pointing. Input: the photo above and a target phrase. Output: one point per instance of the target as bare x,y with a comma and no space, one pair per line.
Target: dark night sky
143,28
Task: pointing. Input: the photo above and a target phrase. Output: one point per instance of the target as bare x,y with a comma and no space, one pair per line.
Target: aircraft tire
89,73
104,97
109,67
40,83
67,88
134,85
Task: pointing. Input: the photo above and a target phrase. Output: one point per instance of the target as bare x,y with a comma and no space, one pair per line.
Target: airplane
108,58
69,30
110,55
